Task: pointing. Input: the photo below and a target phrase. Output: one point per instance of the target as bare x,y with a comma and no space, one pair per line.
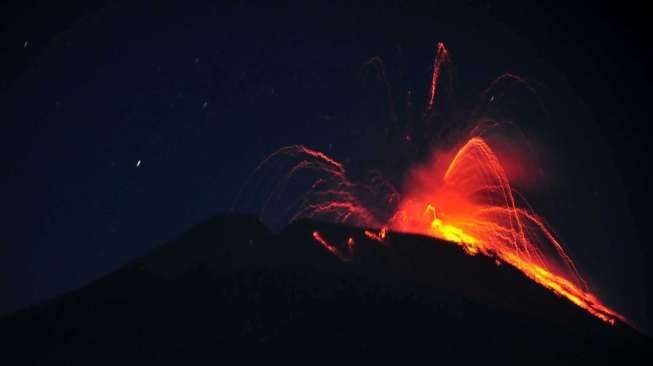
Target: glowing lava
473,205
335,250
464,198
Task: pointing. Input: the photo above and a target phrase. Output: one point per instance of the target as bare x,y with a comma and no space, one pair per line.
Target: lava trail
469,201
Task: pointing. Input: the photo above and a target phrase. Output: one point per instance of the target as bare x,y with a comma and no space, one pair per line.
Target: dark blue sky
200,92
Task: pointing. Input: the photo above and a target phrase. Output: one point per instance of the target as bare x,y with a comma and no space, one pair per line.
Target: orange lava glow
464,197
469,201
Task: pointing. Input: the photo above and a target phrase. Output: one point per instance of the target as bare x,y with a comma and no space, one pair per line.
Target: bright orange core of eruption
469,202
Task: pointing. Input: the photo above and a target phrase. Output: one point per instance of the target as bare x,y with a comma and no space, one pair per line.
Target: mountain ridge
231,285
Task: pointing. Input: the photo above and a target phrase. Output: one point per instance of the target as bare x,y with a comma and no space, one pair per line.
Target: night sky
125,123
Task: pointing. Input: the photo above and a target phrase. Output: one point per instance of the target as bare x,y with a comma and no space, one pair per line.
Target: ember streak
441,56
334,249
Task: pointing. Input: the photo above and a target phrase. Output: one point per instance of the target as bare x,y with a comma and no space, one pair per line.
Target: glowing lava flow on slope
471,203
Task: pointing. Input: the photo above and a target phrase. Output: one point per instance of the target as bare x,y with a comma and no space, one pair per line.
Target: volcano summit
230,287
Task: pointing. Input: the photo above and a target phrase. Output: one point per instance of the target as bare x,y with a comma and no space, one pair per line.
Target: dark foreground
229,288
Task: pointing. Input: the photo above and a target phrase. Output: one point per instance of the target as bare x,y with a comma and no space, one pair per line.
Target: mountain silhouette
230,289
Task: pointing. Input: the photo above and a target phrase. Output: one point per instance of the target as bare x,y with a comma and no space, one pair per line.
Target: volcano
232,288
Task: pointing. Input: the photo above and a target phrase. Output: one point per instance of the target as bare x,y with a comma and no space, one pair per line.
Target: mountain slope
229,287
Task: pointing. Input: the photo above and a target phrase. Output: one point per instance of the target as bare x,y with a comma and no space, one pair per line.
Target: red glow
469,201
